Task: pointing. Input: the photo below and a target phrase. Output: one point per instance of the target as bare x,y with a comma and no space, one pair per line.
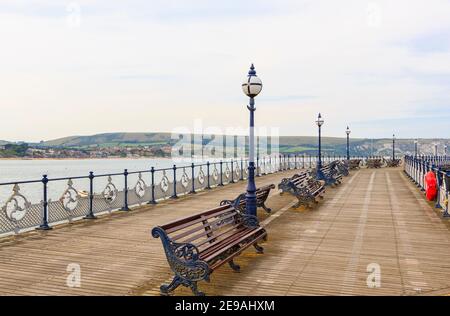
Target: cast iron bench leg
195,290
267,209
234,266
165,289
258,248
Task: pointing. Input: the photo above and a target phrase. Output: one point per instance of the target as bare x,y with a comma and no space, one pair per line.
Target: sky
86,67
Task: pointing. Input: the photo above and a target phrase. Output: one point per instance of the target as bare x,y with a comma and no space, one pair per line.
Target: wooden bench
374,163
445,168
330,173
354,164
342,167
393,162
262,194
197,245
304,187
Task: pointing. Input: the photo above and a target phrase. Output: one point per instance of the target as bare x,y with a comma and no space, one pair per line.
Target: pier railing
416,167
67,199
42,203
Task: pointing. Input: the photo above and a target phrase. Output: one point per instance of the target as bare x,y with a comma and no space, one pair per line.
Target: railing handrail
121,173
188,165
416,167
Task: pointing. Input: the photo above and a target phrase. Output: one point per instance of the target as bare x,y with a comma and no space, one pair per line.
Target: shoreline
90,158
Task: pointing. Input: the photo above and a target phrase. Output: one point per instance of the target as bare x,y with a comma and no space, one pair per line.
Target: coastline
90,158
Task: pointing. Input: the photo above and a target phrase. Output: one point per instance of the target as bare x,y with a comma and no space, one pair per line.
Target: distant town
24,150
141,145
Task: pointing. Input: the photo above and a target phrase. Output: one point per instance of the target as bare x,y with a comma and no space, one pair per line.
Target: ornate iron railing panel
72,198
17,213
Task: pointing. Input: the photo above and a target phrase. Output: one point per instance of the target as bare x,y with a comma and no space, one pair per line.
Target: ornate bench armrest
287,185
183,251
226,202
249,220
238,200
183,258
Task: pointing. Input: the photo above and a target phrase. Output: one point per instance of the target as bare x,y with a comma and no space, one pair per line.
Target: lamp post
252,86
393,147
435,150
319,123
415,147
347,131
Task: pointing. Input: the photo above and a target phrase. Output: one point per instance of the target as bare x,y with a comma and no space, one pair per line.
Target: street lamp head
348,131
252,85
319,121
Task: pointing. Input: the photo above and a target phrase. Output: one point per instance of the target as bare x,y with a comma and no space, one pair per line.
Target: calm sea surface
19,170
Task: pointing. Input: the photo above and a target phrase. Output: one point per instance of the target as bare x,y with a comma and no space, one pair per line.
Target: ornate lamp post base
319,174
44,227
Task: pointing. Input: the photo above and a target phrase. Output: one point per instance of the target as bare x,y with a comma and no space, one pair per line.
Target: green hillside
288,144
110,139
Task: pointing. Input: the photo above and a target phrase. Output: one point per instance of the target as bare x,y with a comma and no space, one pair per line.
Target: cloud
181,60
434,42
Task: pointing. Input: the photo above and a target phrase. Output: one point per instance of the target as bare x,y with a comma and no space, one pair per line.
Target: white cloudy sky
92,66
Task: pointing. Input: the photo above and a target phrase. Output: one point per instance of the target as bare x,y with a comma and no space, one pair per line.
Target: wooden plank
375,217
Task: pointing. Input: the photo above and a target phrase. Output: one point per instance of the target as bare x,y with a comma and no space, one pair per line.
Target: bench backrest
204,228
299,180
261,194
329,168
313,184
374,162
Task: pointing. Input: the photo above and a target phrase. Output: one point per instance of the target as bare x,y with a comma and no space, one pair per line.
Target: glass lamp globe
252,85
348,131
319,121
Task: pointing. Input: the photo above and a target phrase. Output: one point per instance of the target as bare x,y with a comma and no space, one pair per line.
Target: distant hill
3,142
288,144
110,139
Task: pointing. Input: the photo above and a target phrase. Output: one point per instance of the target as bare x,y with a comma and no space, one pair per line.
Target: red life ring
430,186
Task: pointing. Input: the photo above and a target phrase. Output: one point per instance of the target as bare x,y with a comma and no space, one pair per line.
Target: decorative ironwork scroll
237,171
164,184
139,188
215,174
184,179
69,199
201,176
16,207
110,192
227,171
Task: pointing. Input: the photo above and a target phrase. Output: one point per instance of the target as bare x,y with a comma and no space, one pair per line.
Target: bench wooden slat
210,251
258,238
205,225
236,239
218,236
188,221
200,235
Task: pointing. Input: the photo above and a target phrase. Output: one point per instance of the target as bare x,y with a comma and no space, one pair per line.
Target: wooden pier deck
375,218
